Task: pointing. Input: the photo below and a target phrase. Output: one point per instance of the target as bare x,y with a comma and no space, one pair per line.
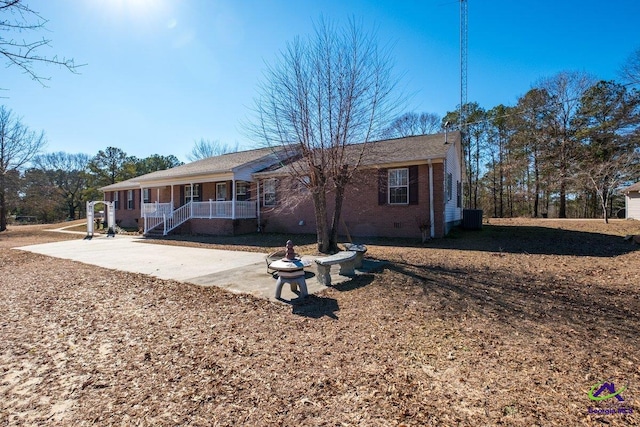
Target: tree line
564,150
50,187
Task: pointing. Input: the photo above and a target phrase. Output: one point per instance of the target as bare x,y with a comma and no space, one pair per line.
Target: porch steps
156,232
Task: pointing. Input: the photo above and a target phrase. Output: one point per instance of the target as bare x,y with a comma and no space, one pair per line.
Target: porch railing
156,214
223,209
156,210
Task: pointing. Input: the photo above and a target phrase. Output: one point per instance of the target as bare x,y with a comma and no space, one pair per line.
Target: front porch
163,217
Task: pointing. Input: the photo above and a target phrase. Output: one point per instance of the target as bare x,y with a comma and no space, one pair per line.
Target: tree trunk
3,206
335,222
320,203
562,212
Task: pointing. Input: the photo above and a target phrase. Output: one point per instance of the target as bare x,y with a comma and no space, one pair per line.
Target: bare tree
322,95
18,145
607,120
566,89
68,173
16,20
410,124
206,148
630,71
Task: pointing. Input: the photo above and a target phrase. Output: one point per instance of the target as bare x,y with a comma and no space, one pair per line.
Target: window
188,196
146,195
270,192
116,200
398,186
221,191
130,201
449,186
242,191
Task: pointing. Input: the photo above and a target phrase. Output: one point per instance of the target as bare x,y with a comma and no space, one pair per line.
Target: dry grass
508,326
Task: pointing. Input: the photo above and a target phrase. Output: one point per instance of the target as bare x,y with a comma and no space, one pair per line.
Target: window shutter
413,185
383,177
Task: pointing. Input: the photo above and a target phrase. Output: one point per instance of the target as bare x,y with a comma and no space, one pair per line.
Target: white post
164,224
191,202
89,220
258,203
142,212
431,208
233,199
210,208
111,219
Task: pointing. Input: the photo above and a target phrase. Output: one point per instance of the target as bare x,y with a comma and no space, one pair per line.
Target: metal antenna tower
463,63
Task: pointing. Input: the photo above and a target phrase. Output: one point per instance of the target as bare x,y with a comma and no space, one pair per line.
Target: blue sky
161,74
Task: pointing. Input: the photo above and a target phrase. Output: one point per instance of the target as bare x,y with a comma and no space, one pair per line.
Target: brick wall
362,214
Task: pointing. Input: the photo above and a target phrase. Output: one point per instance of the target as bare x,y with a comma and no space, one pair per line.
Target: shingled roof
225,163
411,149
631,188
414,149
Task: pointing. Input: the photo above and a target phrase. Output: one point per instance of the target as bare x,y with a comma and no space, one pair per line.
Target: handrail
156,214
178,217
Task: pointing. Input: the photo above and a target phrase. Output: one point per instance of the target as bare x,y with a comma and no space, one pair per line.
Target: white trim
389,171
432,215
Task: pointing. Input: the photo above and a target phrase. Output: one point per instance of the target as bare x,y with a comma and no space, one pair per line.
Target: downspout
431,209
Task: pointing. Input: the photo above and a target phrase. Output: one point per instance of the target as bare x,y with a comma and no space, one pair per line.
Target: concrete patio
235,271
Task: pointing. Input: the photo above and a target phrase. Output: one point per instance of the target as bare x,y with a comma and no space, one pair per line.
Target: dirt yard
513,325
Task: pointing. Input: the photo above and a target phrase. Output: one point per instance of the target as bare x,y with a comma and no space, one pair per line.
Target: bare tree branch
206,148
17,18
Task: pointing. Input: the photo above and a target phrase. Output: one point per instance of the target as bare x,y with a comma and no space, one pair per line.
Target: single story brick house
632,201
405,187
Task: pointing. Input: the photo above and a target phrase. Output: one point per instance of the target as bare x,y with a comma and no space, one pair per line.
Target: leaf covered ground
512,325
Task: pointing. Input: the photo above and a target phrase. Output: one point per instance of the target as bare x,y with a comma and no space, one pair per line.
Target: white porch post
142,212
233,199
258,203
191,201
172,203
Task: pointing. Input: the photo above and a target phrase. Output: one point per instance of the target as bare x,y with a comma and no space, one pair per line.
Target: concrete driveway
239,272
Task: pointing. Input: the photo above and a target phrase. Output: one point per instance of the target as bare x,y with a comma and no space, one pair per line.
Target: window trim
398,186
242,185
188,189
130,199
269,193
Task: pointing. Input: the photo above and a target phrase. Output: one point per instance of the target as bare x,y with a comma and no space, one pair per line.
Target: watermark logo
609,388
607,391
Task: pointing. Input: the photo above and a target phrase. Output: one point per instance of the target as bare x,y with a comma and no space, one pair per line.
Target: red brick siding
361,212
